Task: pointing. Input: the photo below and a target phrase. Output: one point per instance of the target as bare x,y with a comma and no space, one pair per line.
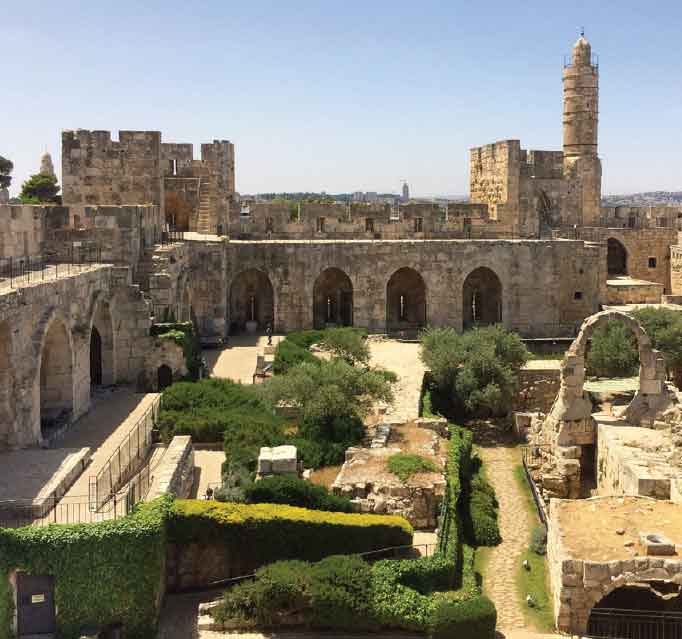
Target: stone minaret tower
46,165
582,167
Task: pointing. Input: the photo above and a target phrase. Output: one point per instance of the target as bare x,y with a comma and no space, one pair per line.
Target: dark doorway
481,298
588,469
332,299
405,301
164,376
616,258
95,357
252,301
35,605
645,611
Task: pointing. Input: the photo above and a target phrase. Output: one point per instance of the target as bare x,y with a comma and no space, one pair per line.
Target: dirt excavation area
610,528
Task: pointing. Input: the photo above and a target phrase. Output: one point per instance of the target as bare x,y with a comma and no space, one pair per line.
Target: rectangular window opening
578,295
652,262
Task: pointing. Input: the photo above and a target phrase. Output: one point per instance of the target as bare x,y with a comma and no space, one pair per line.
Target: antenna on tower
582,32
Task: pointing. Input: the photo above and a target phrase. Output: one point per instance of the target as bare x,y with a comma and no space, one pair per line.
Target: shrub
664,328
538,540
262,533
404,465
348,344
612,352
483,512
289,354
296,492
470,619
341,594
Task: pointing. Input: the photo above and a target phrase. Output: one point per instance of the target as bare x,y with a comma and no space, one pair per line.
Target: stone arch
6,377
481,298
616,257
102,355
252,301
332,299
405,301
55,375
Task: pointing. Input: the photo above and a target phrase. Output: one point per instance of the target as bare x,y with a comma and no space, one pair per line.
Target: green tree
347,343
332,397
40,188
6,168
664,328
613,351
475,373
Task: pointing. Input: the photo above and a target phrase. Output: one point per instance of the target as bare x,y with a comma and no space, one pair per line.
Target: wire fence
125,460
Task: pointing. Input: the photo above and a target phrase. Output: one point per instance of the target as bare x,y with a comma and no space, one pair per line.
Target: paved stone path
403,359
499,460
237,360
207,467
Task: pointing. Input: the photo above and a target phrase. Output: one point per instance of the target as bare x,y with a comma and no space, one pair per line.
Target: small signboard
38,599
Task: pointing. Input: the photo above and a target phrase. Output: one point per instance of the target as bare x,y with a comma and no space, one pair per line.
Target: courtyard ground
237,359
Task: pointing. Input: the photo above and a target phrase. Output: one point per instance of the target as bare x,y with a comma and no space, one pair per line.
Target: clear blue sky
343,96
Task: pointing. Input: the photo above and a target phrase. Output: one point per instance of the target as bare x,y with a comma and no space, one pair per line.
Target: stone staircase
145,267
204,217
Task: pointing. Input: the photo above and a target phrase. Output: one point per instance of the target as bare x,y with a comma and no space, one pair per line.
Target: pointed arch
405,301
481,298
332,299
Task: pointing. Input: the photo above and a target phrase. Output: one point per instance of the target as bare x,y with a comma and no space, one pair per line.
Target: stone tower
46,165
582,167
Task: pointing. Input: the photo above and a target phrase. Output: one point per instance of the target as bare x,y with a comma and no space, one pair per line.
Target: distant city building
406,192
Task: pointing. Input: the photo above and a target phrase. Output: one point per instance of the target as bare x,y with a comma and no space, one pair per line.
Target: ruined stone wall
640,217
641,245
539,280
291,221
179,154
111,234
99,170
22,230
537,390
67,307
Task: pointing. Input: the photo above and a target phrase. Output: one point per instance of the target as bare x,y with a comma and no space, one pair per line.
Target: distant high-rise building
406,192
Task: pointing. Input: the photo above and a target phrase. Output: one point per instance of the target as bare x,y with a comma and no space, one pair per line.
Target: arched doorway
95,357
164,377
405,301
178,211
102,357
56,379
616,257
332,299
647,610
252,305
6,417
481,298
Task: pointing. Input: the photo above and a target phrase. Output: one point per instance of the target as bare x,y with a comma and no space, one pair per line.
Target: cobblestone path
403,359
499,461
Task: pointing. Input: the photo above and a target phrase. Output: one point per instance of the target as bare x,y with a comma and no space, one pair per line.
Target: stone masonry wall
22,231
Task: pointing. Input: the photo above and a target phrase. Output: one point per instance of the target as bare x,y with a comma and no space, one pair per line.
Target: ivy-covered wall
109,572
183,334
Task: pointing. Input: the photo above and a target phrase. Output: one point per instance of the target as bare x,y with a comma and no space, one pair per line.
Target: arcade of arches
252,304
616,257
332,299
405,301
481,298
56,377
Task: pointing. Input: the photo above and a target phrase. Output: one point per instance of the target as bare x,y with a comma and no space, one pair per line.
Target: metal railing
172,236
125,460
619,623
19,271
530,454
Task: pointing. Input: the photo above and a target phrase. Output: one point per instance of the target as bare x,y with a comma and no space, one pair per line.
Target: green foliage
289,354
475,373
534,582
664,328
236,480
484,529
404,465
612,352
332,398
6,168
40,188
538,540
347,343
456,472
262,533
295,492
183,334
471,619
104,573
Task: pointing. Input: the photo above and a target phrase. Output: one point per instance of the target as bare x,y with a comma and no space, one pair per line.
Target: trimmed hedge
269,532
108,572
295,492
345,593
483,512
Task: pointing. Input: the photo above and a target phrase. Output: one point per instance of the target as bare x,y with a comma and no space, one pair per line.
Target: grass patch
404,465
535,581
